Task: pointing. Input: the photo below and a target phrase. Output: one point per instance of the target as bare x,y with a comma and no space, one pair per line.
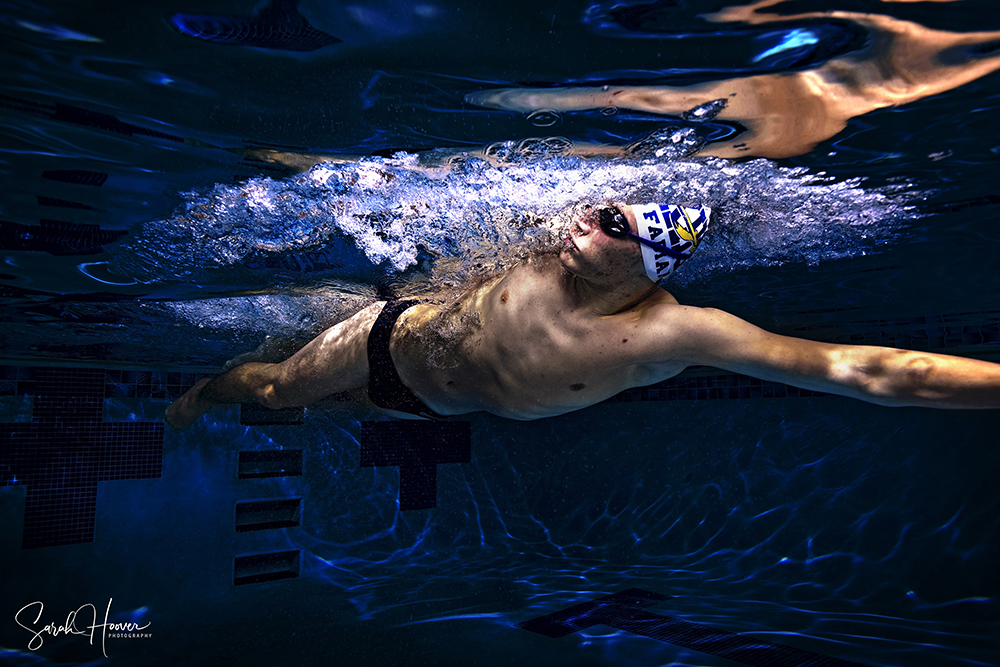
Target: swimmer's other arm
881,375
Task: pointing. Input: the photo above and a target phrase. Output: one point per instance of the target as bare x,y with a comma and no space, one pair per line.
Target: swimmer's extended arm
881,375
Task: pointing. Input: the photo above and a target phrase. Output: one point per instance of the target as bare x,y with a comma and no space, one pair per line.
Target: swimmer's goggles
614,223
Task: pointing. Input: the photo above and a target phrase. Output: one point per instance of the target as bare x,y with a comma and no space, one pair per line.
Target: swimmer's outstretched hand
188,408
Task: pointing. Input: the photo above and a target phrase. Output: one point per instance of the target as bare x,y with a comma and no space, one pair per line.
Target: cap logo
679,228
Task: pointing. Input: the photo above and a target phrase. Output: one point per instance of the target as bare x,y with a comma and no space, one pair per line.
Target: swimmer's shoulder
660,302
664,297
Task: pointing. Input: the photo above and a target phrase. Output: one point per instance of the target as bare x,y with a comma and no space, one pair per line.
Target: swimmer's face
592,254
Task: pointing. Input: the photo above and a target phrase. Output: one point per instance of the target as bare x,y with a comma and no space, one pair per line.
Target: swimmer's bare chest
525,351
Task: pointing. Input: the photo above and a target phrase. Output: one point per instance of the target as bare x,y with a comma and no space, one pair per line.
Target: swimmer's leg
336,360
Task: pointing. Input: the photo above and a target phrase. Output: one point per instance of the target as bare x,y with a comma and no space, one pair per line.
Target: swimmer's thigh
334,361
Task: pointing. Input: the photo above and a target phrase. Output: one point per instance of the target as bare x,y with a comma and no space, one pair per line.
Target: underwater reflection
789,113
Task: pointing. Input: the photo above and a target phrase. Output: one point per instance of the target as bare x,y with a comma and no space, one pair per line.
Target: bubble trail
383,218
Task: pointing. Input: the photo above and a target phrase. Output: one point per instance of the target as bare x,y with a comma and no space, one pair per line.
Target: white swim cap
677,230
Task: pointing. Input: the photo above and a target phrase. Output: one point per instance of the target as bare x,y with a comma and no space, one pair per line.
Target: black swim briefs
385,389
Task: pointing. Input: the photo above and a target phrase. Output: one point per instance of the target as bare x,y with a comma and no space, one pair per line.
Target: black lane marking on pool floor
278,26
66,450
417,448
626,611
66,203
77,176
56,237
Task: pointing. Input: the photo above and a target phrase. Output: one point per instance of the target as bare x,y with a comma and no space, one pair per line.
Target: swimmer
568,329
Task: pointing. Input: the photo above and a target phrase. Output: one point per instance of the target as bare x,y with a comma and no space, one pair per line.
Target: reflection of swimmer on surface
567,330
787,114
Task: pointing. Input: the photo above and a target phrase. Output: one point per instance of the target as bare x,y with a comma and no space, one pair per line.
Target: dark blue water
161,211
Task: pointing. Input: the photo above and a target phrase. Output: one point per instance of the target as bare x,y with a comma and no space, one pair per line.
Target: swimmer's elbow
917,377
896,377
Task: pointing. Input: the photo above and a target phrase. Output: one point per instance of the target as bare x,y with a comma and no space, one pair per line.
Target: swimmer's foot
188,408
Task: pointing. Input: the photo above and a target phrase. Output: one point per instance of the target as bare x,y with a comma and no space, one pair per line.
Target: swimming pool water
156,223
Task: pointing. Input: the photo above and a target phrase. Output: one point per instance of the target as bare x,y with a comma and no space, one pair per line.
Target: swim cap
678,231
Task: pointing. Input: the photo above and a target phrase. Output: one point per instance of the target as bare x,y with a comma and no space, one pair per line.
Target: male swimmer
564,331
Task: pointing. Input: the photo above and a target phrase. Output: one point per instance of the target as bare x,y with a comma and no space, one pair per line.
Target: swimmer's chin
567,258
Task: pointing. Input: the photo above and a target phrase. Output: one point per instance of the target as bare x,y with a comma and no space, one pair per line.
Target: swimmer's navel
577,387
504,296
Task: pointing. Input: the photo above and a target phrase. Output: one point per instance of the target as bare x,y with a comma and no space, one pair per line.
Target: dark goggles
614,223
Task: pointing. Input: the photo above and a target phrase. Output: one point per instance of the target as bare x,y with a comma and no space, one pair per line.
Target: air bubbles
543,147
669,142
705,112
466,164
543,117
349,223
500,151
526,150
